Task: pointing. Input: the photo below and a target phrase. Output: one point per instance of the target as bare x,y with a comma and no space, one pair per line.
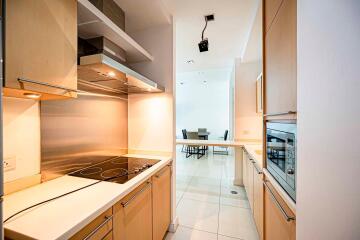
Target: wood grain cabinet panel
280,60
271,8
258,211
276,226
133,215
250,188
161,202
41,45
98,229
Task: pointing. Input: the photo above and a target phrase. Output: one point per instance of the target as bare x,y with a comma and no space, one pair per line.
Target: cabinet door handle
107,219
124,204
287,217
256,168
279,113
162,171
22,80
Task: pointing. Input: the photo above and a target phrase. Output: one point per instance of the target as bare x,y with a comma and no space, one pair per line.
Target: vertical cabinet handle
282,210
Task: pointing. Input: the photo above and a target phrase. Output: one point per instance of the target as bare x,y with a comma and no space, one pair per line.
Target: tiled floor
206,208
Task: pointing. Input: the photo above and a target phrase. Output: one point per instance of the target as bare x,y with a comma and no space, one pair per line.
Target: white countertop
63,217
220,143
255,150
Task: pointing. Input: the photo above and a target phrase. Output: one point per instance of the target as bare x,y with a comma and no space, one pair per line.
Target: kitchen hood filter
101,71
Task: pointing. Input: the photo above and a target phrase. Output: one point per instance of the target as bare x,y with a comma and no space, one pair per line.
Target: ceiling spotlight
204,43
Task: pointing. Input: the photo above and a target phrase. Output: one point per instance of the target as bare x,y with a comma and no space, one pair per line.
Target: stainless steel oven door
281,154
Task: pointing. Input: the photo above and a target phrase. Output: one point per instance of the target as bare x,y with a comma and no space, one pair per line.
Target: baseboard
238,182
174,225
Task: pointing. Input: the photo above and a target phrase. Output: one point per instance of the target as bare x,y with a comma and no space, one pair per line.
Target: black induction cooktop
116,169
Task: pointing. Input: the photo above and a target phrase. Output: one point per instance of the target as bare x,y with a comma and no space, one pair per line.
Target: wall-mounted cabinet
41,48
280,56
94,23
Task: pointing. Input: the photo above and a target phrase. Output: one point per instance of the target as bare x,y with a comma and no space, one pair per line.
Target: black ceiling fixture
204,43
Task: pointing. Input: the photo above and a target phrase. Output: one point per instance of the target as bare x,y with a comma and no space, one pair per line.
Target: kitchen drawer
98,229
279,220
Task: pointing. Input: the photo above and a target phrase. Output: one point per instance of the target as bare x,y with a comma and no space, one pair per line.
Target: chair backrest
202,130
192,135
226,135
184,133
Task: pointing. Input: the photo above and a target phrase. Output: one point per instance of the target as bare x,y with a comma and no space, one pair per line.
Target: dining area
200,143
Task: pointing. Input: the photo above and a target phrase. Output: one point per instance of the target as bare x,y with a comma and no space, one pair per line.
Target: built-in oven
281,154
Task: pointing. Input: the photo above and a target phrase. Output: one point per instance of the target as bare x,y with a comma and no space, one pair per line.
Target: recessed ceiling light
32,95
190,61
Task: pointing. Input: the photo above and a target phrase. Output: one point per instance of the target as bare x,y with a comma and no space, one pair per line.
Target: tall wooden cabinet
41,46
280,56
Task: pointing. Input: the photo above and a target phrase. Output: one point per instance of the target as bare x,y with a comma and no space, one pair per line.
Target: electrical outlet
9,163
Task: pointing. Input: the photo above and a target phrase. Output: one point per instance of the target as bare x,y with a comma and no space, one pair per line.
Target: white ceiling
227,34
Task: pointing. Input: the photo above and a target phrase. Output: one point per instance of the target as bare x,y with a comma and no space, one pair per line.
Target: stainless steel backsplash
74,130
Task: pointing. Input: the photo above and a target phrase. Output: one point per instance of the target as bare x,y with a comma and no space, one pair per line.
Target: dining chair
184,134
222,152
194,149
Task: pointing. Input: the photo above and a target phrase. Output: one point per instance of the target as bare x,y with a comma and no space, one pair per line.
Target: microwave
281,154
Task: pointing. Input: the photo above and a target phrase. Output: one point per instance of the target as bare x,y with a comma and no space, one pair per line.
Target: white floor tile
235,202
198,215
237,222
221,237
184,233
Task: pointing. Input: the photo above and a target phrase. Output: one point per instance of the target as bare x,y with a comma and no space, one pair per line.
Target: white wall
248,123
328,189
21,139
151,120
202,101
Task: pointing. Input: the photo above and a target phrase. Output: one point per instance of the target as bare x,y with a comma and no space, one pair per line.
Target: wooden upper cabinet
133,215
280,59
161,202
41,45
271,8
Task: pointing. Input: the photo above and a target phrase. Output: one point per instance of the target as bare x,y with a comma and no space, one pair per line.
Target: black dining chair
184,133
194,149
222,152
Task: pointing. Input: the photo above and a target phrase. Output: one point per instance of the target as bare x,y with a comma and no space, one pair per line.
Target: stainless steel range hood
101,74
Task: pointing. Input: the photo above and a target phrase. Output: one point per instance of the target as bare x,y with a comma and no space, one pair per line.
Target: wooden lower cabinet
258,205
277,227
98,229
143,214
161,193
133,215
